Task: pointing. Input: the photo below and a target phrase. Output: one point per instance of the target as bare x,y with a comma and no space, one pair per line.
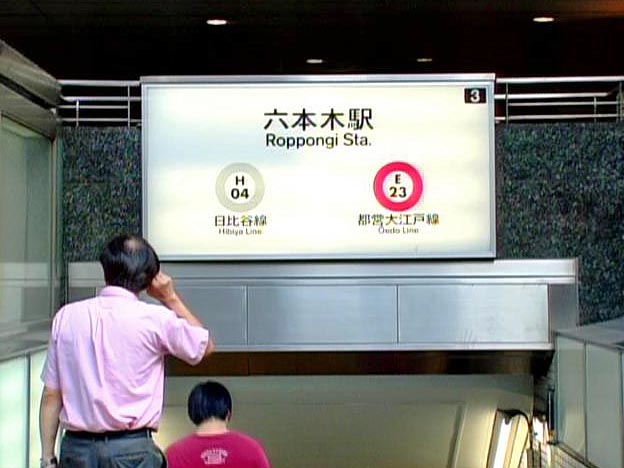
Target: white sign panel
319,167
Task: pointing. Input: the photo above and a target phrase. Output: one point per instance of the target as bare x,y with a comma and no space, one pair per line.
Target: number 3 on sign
474,95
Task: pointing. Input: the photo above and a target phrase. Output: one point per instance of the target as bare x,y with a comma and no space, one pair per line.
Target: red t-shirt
228,450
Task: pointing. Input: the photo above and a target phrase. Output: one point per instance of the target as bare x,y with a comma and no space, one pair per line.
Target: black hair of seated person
209,400
129,261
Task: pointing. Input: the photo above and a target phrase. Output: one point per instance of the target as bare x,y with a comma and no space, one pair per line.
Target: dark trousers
136,450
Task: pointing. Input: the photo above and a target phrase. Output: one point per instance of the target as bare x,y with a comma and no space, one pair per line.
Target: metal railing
545,99
588,98
100,102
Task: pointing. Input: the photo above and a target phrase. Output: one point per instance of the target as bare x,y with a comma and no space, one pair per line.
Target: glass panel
36,387
25,225
604,413
13,411
571,393
57,249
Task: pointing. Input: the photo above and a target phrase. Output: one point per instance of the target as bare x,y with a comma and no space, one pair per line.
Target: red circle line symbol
384,172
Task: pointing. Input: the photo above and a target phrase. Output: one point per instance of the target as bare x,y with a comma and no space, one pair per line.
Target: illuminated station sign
319,167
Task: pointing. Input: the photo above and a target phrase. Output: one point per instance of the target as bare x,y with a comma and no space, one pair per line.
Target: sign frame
482,80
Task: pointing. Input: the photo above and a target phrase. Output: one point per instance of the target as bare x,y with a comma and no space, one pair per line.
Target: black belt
133,433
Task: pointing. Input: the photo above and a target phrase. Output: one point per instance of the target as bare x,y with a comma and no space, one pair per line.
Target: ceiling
126,39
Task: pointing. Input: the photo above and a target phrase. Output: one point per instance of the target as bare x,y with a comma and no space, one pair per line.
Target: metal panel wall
224,308
19,70
475,313
563,298
25,112
335,306
304,314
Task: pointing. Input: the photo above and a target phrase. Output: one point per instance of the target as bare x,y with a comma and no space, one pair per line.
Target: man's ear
228,416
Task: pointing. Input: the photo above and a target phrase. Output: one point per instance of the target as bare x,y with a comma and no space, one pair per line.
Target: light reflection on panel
13,412
36,387
570,393
604,424
25,220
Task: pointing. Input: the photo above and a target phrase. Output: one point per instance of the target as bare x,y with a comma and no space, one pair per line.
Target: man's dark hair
130,262
209,400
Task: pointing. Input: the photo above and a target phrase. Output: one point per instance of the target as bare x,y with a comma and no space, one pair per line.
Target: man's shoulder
181,444
251,447
94,302
244,438
79,304
141,307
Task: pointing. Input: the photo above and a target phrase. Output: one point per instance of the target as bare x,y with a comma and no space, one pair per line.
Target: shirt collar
117,291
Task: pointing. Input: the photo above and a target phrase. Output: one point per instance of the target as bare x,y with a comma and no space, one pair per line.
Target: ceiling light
504,431
543,19
216,22
508,440
424,60
315,61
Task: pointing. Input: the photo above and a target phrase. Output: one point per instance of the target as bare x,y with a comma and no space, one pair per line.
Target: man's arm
49,411
163,290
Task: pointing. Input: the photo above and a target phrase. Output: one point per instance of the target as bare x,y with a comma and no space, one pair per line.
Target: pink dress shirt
107,356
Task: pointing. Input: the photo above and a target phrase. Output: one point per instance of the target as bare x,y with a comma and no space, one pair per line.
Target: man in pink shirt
104,372
213,444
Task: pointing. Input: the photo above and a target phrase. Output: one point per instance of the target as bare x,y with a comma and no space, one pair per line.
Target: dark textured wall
560,192
101,188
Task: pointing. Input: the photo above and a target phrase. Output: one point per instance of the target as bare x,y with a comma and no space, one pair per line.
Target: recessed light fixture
216,22
543,19
315,61
424,60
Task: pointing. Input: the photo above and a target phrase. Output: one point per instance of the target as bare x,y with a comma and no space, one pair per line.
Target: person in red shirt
213,444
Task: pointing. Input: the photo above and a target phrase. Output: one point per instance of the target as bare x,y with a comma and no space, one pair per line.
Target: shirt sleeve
49,373
183,340
263,460
173,460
